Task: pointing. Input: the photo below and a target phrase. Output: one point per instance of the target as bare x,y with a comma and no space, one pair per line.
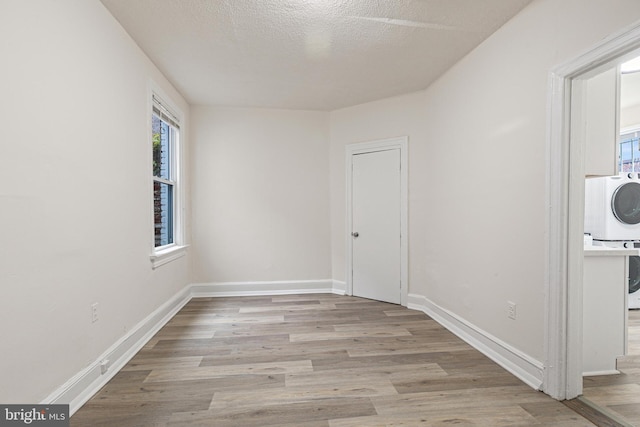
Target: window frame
161,255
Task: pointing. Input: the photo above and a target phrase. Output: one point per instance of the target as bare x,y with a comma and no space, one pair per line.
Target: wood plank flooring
317,360
619,395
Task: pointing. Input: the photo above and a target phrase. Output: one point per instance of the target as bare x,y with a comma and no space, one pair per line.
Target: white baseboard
519,364
232,289
339,287
82,386
596,373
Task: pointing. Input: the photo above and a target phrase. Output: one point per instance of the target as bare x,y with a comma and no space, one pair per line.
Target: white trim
164,181
596,373
228,289
339,287
401,143
629,129
565,207
82,386
167,254
527,369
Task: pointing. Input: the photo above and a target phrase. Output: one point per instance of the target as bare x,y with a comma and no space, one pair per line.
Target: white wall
630,102
261,195
477,167
382,119
75,199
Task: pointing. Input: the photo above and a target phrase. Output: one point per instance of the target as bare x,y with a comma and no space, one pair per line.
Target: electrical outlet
511,310
104,366
94,312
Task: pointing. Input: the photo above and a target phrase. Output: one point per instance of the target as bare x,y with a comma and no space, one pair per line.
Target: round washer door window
626,203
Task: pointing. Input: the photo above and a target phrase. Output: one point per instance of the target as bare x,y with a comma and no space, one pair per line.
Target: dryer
633,301
612,207
634,282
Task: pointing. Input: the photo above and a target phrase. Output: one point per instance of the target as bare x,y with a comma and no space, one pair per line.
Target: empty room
315,212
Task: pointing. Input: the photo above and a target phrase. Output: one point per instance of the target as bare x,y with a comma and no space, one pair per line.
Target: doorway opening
565,207
611,300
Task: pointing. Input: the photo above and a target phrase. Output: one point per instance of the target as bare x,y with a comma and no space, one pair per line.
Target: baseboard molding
519,364
82,386
284,287
598,373
339,287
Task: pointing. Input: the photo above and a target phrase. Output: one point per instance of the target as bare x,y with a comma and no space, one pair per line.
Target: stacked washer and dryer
612,218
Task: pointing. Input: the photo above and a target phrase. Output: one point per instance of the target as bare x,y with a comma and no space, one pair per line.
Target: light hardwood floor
619,395
312,361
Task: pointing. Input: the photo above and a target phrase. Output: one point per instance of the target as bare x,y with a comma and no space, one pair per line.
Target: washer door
625,203
634,274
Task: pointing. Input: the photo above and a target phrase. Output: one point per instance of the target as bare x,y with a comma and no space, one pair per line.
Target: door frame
565,210
401,143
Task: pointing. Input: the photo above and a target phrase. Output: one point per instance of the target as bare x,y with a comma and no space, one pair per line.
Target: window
165,140
629,154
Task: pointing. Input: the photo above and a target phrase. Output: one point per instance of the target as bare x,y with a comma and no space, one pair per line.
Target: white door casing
377,204
565,207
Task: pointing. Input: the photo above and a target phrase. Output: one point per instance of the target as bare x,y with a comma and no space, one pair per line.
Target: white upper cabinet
601,123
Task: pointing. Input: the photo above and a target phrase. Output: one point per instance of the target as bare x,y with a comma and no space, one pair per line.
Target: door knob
355,234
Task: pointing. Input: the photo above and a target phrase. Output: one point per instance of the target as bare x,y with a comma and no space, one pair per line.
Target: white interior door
376,226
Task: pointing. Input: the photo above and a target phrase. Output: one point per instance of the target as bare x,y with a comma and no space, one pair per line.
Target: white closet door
376,191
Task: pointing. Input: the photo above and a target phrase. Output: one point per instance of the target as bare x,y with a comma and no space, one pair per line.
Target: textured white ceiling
306,54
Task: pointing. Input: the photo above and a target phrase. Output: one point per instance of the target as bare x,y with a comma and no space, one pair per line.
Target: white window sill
165,255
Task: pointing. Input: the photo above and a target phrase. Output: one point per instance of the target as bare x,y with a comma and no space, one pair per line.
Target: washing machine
612,207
